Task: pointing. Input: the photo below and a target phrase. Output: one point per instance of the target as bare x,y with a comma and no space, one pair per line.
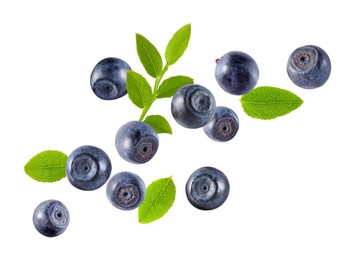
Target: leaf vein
46,166
150,60
139,91
176,49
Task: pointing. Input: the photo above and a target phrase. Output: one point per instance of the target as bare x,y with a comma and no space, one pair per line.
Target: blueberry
309,67
207,188
223,126
108,78
193,105
88,167
125,190
137,142
236,73
51,218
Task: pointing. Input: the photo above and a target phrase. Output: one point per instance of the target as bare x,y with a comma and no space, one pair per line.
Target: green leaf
47,166
269,102
139,90
178,44
160,196
149,56
169,86
159,123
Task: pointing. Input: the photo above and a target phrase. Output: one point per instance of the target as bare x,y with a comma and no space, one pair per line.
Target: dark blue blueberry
51,218
108,78
309,67
137,142
193,105
207,188
125,190
223,126
88,167
236,73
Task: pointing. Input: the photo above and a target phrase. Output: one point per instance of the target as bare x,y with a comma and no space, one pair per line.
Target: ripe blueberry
236,73
207,188
88,167
309,67
51,218
125,190
193,105
136,142
108,78
223,126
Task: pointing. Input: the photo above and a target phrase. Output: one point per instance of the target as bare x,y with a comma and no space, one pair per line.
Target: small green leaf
160,196
47,166
178,44
169,86
269,102
149,56
139,90
159,123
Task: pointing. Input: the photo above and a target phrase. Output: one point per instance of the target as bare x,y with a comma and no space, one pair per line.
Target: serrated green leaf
169,86
139,90
269,102
159,123
178,44
149,56
47,166
160,197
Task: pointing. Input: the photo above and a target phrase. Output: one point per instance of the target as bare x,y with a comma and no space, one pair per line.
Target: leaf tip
141,221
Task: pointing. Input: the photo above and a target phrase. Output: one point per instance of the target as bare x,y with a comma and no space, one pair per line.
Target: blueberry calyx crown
84,167
201,102
305,59
58,215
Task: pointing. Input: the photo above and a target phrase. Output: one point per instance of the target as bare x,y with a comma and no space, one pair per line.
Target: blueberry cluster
192,106
89,168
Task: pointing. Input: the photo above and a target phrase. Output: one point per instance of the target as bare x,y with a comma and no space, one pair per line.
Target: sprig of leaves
269,102
140,92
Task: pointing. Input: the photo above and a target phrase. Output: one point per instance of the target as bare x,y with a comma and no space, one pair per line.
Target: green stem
156,87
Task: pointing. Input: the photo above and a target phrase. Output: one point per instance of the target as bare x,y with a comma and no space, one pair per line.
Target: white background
292,179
